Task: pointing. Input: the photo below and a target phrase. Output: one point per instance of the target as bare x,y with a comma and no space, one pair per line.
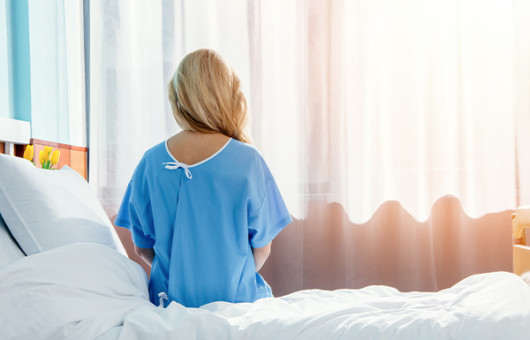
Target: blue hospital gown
202,220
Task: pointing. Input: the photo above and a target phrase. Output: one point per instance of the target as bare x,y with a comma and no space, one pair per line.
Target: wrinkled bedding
90,291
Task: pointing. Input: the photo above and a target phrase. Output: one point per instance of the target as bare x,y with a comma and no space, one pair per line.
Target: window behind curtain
42,67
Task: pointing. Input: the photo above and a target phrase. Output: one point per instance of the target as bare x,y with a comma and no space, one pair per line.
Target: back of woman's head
205,96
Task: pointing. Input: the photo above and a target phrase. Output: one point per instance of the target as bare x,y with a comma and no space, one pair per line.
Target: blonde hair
206,96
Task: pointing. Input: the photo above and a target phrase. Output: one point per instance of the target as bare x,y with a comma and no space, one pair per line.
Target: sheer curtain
132,48
407,101
42,68
396,130
57,71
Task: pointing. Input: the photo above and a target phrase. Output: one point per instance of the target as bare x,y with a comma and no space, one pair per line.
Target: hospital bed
64,275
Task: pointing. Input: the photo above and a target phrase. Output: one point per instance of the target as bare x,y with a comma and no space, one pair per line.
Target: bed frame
521,252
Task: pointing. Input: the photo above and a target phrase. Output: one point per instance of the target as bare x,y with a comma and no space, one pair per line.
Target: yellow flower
48,150
55,157
43,157
28,153
47,159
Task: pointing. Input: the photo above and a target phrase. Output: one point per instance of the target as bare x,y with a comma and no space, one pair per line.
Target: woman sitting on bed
203,206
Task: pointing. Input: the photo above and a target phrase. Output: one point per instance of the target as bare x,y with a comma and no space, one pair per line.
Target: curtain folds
354,104
407,101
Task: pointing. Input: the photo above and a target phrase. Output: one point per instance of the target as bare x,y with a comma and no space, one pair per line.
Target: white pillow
9,250
45,209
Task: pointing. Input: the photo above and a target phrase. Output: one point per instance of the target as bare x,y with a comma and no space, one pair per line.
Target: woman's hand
261,255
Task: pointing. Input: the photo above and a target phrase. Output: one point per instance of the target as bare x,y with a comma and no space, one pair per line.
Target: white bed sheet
88,291
9,250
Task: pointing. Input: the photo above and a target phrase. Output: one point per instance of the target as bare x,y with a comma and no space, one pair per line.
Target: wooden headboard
15,135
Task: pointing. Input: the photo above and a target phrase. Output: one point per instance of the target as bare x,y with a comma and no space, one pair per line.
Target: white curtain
396,100
130,57
50,33
355,102
57,68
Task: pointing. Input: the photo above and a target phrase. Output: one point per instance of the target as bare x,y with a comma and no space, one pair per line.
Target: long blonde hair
206,96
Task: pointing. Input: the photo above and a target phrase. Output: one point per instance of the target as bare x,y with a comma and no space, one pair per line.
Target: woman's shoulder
244,147
246,152
248,158
153,155
155,152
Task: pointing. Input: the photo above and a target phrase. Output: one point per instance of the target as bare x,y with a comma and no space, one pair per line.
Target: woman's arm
146,254
261,255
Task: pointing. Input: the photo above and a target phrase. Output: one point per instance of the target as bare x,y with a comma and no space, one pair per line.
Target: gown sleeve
271,215
134,214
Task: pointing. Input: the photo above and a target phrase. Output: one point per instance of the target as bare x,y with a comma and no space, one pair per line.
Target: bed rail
521,252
